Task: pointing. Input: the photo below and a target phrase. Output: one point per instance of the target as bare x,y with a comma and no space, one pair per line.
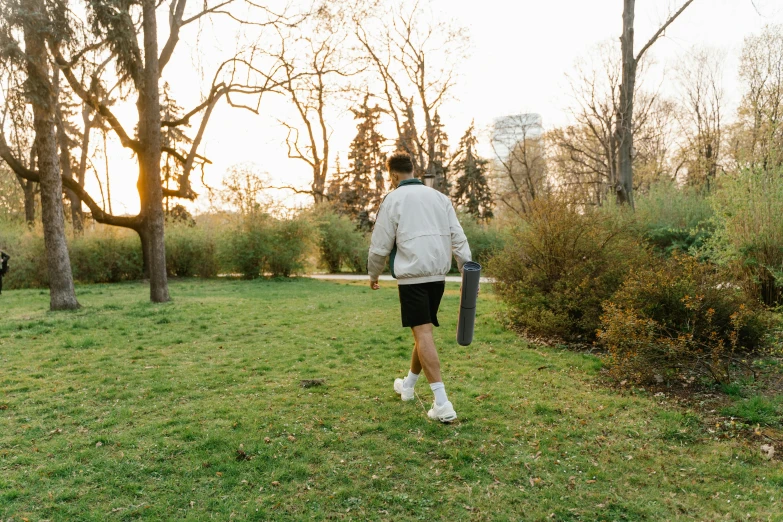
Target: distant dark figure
3,268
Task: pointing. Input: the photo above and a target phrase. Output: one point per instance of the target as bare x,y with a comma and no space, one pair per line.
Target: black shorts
419,303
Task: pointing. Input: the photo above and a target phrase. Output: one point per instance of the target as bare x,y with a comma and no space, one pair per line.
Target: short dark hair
401,162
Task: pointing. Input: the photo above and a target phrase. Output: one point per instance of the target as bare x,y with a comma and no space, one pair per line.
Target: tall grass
749,231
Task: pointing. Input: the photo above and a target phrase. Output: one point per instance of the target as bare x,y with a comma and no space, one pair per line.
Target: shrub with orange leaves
679,316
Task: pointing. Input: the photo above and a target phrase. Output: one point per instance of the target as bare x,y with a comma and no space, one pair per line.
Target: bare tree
416,56
757,138
317,69
625,110
584,156
699,115
519,172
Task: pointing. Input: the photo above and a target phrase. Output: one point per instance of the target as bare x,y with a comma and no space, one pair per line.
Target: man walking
418,230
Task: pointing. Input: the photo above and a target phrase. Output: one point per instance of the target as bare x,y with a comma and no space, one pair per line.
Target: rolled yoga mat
471,275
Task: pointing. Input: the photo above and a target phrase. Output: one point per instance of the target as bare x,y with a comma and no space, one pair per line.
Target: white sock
439,389
410,380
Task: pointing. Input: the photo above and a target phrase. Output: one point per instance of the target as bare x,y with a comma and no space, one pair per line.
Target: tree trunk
42,96
65,162
319,183
28,188
150,189
624,187
145,252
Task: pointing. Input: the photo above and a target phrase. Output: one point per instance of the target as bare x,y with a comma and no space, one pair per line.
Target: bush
106,255
190,250
678,317
669,218
340,242
484,240
749,235
559,265
28,260
260,244
290,242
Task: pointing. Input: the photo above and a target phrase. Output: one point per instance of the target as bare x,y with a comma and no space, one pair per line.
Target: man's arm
459,242
381,244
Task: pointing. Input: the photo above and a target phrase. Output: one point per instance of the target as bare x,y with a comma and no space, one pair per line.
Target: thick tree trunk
65,162
150,189
42,95
624,186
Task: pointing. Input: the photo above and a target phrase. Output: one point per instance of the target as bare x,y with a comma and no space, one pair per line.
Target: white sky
521,52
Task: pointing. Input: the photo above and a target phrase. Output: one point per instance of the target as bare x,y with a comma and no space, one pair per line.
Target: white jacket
421,223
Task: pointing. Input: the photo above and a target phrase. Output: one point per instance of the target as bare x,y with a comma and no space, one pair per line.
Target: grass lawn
193,410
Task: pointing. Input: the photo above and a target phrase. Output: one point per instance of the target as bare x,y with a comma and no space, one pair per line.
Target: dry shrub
559,264
679,317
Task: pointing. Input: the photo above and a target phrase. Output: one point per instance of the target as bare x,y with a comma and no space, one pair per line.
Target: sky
520,54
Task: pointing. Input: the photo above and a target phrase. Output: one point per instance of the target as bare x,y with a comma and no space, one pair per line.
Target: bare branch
663,28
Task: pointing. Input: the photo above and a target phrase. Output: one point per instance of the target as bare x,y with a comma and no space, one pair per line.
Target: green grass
757,410
126,410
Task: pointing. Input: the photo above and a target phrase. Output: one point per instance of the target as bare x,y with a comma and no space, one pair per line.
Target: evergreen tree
472,193
440,169
408,141
175,138
360,190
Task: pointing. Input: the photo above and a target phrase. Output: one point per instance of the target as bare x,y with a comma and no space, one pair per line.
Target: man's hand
374,285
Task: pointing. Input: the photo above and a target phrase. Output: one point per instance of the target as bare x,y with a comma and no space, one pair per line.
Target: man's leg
415,362
425,354
413,375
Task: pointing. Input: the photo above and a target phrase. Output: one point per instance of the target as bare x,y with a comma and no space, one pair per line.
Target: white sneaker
444,413
405,394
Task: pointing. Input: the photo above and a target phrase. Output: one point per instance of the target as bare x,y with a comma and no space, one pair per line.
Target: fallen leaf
291,438
590,481
98,444
275,483
483,396
219,473
267,440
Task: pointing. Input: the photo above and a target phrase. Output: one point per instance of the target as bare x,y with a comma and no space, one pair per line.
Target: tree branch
92,100
660,31
98,214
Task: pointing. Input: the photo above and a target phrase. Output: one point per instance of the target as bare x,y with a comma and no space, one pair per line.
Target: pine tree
440,169
408,142
362,187
173,137
472,192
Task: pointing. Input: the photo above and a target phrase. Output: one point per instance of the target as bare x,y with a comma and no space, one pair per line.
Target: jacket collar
412,181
